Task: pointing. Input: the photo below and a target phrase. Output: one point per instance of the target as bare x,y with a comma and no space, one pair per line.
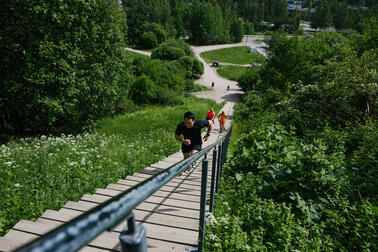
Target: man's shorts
189,148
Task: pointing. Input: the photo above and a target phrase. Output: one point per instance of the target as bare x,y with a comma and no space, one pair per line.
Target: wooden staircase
170,215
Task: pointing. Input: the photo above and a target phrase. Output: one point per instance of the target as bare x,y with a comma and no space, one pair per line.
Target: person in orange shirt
222,118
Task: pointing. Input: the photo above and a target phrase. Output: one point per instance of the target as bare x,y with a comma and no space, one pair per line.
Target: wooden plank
163,188
92,249
32,227
194,180
20,236
164,233
172,184
160,193
193,190
152,199
176,181
181,236
163,246
168,210
57,218
81,205
143,206
8,244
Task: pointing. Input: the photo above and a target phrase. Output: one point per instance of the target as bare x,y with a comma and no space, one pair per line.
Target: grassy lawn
234,55
45,172
231,72
258,41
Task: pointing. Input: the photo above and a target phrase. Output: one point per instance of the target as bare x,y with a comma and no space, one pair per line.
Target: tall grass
45,172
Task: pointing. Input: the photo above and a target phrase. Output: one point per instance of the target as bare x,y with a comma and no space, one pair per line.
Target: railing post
218,166
213,174
223,158
201,233
133,239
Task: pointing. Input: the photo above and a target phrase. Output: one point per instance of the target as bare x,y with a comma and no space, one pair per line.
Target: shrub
143,90
198,68
158,30
166,52
60,64
187,62
148,40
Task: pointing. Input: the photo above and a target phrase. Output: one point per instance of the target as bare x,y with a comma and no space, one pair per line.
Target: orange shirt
222,118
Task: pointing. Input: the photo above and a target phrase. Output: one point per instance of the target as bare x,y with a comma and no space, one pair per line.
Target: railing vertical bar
201,233
218,166
213,175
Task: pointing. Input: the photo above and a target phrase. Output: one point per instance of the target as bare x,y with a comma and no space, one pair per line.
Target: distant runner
212,84
191,130
222,118
210,115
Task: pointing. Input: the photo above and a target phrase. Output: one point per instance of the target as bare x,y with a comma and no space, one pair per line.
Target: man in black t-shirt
191,130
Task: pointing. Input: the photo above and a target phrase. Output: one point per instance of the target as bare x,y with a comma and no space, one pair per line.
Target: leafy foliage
303,168
148,40
57,67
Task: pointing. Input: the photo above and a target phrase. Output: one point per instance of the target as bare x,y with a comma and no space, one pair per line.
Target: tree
340,15
322,17
63,64
148,40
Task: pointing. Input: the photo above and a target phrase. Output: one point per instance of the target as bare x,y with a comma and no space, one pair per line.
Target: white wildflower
247,247
225,203
17,185
9,163
72,164
213,237
225,220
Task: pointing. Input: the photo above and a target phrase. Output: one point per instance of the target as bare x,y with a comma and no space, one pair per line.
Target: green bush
166,52
158,30
148,40
61,64
187,62
143,90
250,79
198,68
172,50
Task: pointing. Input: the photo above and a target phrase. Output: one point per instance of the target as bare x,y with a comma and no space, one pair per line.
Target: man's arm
209,127
182,140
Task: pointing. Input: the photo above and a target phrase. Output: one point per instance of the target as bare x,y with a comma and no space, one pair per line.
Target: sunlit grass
231,72
235,55
45,172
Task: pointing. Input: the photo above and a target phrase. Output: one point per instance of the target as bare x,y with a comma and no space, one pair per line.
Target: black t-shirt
194,134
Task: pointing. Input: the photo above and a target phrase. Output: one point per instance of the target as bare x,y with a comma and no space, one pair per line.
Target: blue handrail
78,232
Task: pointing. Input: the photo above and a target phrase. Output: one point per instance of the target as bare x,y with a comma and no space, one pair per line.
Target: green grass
258,41
231,72
235,55
45,172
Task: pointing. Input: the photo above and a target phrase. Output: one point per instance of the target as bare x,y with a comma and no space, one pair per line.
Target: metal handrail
78,232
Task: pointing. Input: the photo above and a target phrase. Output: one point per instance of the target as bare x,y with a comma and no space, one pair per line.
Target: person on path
191,130
212,84
210,115
228,88
222,118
